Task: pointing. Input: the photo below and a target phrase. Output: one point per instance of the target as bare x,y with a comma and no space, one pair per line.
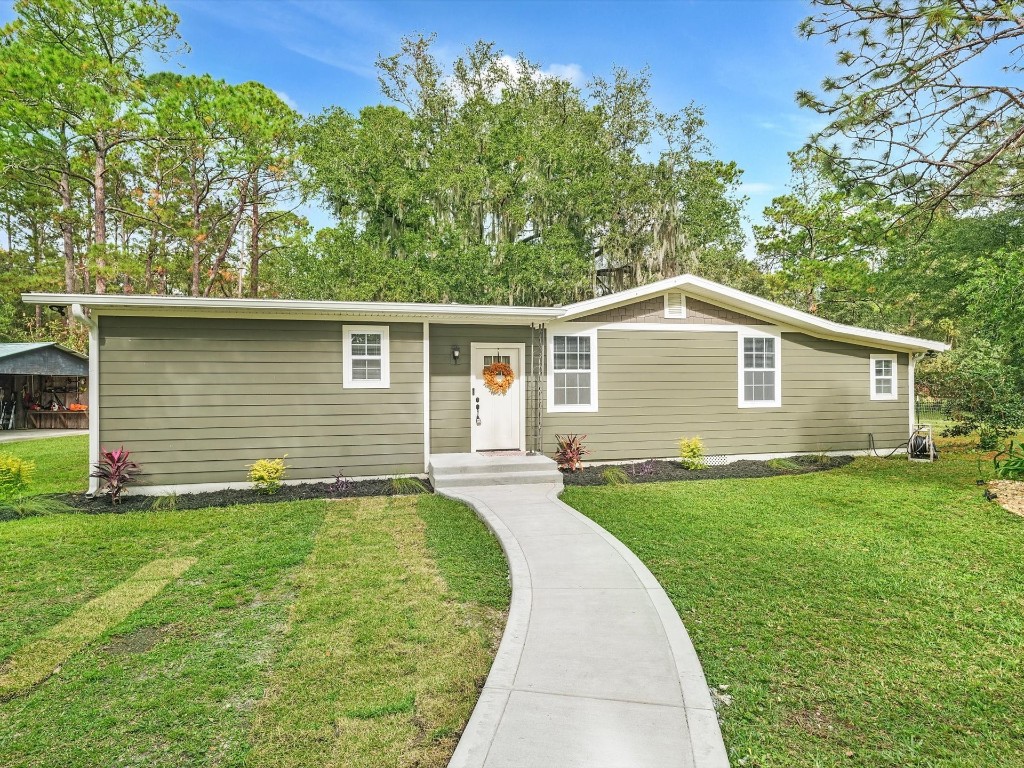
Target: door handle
478,422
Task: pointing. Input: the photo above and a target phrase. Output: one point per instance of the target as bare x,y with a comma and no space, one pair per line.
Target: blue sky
740,59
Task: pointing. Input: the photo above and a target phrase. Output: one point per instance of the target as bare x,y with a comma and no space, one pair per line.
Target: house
198,388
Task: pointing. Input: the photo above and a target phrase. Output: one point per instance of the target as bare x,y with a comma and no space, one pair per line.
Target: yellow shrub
15,476
691,453
266,474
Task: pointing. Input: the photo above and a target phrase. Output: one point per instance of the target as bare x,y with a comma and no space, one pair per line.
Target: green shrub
406,486
1009,463
785,465
691,453
616,476
266,475
15,476
36,506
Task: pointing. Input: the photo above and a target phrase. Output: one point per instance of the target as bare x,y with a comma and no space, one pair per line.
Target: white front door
496,417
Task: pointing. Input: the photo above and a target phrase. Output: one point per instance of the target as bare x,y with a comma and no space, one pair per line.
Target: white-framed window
883,377
675,304
760,370
366,357
572,371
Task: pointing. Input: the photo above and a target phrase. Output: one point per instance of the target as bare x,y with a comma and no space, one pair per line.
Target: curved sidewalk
595,668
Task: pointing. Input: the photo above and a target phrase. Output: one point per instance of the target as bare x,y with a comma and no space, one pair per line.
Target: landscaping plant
570,452
116,470
341,484
615,476
266,475
1009,463
404,486
15,476
691,453
644,468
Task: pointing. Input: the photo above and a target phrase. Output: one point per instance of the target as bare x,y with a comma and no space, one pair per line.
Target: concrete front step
470,470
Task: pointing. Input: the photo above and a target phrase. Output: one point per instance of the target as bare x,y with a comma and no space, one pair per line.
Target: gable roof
697,287
46,358
18,348
747,303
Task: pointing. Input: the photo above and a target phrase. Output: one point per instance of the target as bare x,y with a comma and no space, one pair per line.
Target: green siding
656,386
449,384
198,399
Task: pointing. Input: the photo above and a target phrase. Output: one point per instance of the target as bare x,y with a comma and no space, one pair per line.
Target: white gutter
78,312
411,310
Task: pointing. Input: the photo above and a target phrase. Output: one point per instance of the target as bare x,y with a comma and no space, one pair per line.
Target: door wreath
498,377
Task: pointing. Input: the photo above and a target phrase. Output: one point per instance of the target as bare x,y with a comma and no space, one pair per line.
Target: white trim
873,378
521,348
242,485
747,303
561,330
384,382
93,324
682,305
741,368
426,396
189,305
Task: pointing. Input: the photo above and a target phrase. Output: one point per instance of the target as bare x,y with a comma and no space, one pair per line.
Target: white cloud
287,100
756,188
571,72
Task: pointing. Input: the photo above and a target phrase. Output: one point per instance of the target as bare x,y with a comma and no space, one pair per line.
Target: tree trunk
99,213
219,261
67,229
254,243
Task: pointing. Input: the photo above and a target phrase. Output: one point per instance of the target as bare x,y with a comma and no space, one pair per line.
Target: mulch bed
667,471
227,498
1009,494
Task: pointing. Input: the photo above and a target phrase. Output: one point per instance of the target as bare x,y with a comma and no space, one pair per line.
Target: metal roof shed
45,358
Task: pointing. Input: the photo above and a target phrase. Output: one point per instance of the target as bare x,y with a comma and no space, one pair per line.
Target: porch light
455,355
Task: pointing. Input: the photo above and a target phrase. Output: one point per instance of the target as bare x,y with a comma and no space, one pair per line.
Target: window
759,365
572,385
366,358
883,377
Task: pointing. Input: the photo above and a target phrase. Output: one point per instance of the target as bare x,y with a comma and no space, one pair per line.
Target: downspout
78,312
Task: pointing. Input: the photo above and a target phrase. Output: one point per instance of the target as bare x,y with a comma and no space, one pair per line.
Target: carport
43,386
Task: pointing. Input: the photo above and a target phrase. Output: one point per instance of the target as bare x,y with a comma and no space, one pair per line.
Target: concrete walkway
595,669
17,435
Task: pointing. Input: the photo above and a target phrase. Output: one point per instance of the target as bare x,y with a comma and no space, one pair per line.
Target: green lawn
62,463
868,616
342,633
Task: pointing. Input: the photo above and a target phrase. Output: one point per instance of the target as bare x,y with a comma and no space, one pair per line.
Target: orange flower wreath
498,377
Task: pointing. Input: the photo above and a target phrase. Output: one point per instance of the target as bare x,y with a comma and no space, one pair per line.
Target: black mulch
228,498
665,471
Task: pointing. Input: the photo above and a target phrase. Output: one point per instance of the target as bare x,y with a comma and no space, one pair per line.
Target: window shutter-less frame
675,304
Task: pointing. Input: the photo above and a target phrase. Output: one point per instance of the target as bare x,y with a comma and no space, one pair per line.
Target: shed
42,386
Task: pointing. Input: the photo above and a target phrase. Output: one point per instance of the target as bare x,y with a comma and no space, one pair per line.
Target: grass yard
62,463
328,633
870,616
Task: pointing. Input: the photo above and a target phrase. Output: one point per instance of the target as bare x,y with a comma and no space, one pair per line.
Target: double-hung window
572,383
760,384
883,377
366,357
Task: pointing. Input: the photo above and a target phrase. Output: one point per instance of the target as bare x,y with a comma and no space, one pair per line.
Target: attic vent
675,304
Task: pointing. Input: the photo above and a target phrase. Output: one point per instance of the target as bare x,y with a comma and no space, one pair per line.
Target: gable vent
675,304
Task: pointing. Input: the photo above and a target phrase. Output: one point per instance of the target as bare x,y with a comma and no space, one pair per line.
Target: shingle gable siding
653,311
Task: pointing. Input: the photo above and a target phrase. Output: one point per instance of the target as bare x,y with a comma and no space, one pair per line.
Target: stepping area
595,667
